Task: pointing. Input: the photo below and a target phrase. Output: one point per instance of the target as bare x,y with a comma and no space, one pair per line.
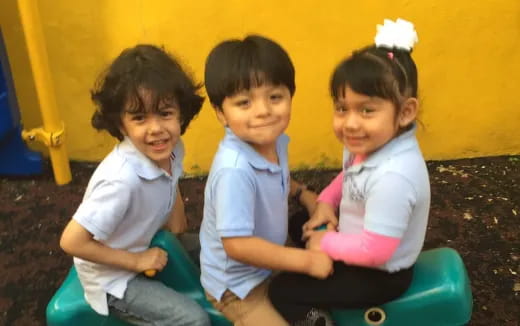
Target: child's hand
324,214
313,243
321,266
151,259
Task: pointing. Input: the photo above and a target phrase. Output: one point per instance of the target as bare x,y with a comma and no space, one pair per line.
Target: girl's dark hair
236,65
143,67
375,71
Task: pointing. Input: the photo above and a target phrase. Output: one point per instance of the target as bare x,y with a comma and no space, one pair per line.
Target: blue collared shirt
245,196
128,198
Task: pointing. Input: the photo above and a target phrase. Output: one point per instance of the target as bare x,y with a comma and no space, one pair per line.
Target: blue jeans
150,302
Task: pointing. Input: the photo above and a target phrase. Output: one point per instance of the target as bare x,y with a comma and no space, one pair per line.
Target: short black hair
143,67
376,71
236,65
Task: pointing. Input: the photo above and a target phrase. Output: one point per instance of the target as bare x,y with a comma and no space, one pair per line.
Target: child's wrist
310,262
297,195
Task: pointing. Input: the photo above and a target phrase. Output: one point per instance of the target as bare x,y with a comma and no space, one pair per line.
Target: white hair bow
400,34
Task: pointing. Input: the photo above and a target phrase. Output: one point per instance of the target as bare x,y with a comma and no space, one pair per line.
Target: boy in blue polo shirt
146,101
250,83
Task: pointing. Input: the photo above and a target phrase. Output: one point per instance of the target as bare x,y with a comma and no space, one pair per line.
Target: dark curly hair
143,67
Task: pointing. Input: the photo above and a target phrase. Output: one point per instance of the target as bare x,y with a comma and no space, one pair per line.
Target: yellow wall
468,58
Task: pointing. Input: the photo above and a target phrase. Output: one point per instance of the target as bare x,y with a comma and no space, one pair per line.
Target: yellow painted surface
468,57
53,132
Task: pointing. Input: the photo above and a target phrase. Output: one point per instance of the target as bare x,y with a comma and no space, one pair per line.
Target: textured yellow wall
468,58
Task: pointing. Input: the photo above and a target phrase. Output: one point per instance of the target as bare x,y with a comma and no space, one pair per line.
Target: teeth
158,142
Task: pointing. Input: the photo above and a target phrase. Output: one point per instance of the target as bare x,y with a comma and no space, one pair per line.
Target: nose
351,121
154,124
262,107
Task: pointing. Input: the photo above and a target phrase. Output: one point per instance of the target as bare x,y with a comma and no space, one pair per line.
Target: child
383,192
250,83
146,101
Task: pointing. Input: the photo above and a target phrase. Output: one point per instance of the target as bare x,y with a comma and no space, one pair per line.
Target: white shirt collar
254,158
399,144
143,166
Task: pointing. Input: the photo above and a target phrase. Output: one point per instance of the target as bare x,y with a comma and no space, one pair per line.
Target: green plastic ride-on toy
440,294
68,306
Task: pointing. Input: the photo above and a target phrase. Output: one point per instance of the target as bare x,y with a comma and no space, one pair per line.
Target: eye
340,108
168,113
276,97
242,103
137,117
365,110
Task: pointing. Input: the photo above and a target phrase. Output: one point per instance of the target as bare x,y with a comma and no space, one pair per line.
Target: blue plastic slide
15,157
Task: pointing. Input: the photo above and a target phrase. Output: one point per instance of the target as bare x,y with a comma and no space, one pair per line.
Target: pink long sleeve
366,249
332,193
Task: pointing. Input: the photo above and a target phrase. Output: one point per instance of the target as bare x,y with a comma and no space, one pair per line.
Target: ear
408,112
220,116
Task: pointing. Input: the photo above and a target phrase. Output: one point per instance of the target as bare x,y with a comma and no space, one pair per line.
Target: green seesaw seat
440,294
68,306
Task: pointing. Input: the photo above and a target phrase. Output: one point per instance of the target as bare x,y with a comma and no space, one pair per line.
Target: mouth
158,145
264,125
354,140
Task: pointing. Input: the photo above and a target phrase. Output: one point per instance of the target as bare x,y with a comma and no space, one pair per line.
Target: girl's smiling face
364,124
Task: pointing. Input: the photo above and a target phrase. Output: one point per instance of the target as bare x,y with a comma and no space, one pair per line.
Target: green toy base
68,306
440,293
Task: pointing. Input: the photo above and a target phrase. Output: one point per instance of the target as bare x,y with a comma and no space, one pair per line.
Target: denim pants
150,302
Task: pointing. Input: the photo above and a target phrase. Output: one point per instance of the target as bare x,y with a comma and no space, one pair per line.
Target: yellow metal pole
52,134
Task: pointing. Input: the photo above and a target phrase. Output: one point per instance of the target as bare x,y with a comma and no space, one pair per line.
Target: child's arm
387,213
264,254
332,193
325,212
366,249
233,193
304,196
177,222
78,242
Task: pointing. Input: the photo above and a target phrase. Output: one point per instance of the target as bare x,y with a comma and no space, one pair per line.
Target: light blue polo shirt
127,200
245,195
389,194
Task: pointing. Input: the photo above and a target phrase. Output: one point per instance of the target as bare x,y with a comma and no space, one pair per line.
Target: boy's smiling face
154,134
258,116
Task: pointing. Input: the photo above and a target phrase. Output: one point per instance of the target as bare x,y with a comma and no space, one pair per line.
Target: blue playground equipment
440,294
15,158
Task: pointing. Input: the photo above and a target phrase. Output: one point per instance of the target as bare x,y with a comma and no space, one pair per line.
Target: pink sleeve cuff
332,193
366,249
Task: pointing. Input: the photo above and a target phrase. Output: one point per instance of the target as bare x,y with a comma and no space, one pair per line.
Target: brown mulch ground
475,209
